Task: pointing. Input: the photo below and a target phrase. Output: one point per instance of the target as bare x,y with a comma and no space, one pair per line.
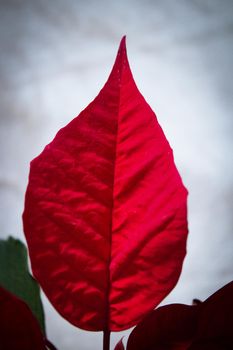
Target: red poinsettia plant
106,223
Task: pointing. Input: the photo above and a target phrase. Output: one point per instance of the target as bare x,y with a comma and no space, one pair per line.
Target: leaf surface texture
105,210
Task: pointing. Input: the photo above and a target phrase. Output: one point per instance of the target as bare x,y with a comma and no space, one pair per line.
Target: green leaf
15,276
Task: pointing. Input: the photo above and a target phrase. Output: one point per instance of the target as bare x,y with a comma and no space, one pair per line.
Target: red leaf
105,211
120,345
215,326
18,327
205,326
170,327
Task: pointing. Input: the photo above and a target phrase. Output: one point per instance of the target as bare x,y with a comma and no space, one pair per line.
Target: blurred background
55,56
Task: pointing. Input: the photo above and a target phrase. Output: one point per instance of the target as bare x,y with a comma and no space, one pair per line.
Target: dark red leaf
19,329
120,345
212,344
215,326
105,211
170,327
205,326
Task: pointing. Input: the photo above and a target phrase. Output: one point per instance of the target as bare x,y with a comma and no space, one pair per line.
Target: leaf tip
122,46
120,345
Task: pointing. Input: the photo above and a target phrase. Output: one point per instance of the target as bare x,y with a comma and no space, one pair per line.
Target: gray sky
55,56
